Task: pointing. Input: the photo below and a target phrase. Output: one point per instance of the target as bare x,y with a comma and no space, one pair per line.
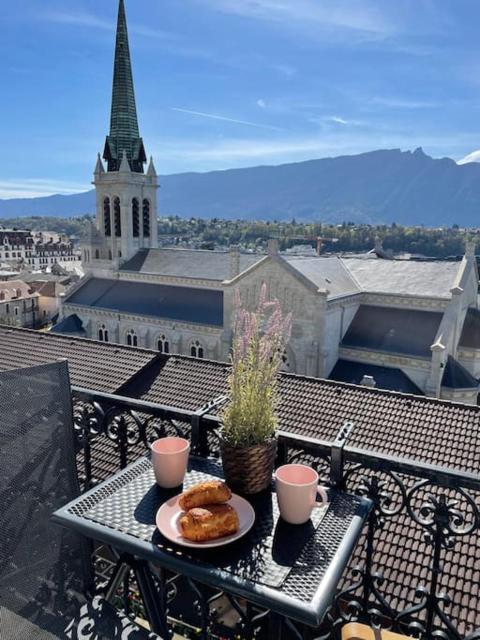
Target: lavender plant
259,342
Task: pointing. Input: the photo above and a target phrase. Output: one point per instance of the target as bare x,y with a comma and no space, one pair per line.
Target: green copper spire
124,132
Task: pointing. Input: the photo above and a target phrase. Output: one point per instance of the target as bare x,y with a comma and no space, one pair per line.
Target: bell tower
126,196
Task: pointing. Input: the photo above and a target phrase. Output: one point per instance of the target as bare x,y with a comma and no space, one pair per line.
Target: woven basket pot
248,470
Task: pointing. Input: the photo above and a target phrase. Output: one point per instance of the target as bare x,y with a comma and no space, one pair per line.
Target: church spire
124,132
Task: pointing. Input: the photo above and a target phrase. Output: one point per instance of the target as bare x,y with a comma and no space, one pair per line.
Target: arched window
103,333
2,295
109,254
97,254
132,339
136,218
163,345
117,218
196,350
146,218
107,222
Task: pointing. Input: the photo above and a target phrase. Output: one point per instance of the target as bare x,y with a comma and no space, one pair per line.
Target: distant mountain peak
376,187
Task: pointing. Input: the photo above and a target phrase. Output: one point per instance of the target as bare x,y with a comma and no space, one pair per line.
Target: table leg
275,627
120,571
153,601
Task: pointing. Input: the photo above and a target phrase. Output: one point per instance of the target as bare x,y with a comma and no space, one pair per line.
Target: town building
35,250
403,325
19,304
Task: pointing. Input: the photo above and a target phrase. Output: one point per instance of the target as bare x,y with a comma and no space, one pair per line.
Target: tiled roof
93,365
384,377
405,331
413,427
406,426
404,277
184,304
188,263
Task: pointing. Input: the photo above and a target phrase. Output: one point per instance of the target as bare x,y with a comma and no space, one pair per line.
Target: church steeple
124,131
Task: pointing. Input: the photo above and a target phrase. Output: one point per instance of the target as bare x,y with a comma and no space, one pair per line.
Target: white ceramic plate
168,523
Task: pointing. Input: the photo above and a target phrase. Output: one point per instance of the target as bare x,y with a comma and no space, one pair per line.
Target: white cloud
214,116
38,187
471,157
404,103
344,14
338,120
261,103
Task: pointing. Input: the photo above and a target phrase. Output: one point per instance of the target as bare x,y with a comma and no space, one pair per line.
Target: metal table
293,571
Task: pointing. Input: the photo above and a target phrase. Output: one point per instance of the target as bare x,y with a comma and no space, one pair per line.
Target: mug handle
324,495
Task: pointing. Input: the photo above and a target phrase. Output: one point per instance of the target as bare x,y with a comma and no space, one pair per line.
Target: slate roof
470,337
93,365
456,376
187,263
71,325
325,273
404,331
385,377
199,306
404,277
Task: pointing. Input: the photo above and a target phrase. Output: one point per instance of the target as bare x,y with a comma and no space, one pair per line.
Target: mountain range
377,187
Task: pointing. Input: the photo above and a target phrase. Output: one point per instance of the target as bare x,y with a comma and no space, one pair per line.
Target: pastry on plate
209,522
211,492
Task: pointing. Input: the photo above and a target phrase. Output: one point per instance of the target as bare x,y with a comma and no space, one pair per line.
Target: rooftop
187,263
417,428
384,377
404,331
404,277
182,304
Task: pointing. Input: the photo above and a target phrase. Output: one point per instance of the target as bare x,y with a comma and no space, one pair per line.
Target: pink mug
297,490
170,460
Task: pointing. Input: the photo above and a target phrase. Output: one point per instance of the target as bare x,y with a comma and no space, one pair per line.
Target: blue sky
232,83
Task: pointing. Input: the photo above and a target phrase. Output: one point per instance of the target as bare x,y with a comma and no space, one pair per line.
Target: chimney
368,381
272,247
234,261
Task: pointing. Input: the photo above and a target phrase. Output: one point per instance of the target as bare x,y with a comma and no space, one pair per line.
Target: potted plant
248,441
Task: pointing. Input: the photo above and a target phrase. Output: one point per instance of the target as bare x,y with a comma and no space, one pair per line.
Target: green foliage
69,226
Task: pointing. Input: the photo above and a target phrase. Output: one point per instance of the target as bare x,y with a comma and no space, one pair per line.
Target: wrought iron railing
416,569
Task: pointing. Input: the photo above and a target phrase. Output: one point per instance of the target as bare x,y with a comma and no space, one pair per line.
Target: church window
132,339
163,345
103,333
146,218
197,350
107,223
109,254
2,295
97,254
136,218
7,308
117,218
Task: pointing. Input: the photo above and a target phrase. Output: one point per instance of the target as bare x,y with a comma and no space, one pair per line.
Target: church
407,326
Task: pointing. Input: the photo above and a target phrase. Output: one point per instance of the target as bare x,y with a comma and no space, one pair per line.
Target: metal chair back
44,569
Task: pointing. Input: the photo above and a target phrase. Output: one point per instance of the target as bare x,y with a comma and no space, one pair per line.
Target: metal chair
45,571
356,631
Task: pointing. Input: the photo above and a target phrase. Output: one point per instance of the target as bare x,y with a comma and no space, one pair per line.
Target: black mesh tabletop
293,567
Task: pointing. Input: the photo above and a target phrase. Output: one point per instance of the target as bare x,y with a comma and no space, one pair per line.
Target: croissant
209,523
212,492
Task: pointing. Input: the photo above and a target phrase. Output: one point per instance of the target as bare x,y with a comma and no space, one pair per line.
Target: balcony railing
416,569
